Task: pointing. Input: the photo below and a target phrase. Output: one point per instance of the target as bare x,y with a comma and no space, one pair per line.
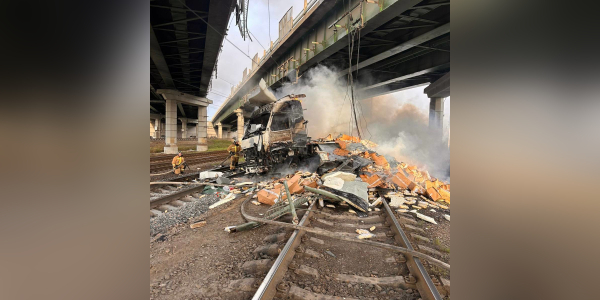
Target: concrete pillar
436,115
183,128
157,128
219,130
171,127
240,124
202,129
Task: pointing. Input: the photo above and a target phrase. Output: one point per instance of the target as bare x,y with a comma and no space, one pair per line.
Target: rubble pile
354,176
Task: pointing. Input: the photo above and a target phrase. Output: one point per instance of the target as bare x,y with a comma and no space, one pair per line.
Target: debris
223,180
432,210
396,201
343,175
330,205
426,218
321,204
357,188
242,227
269,197
198,224
330,253
209,175
423,204
255,202
364,234
372,228
245,183
351,199
334,183
447,217
402,210
225,200
377,202
351,211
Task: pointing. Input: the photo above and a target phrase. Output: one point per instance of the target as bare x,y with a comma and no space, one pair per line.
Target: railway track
169,197
310,266
163,162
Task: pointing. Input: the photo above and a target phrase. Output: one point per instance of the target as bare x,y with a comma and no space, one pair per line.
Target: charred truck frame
276,134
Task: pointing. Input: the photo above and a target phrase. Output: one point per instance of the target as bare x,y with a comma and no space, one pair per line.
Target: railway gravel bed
183,214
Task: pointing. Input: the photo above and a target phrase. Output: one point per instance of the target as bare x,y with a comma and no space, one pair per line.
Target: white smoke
393,121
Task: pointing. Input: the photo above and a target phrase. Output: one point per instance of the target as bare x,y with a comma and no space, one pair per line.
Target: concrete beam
181,109
397,79
159,60
440,88
170,94
439,31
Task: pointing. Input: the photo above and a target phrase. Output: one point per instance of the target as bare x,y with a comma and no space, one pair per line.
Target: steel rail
267,288
428,290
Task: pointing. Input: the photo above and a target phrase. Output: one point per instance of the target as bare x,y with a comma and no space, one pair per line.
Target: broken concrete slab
357,188
334,183
426,218
228,198
210,174
396,201
343,175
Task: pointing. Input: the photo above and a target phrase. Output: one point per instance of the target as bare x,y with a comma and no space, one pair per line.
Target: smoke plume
393,121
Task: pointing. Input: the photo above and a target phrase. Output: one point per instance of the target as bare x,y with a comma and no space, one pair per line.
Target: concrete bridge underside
185,42
403,43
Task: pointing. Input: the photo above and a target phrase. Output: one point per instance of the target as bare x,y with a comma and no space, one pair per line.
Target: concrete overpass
185,41
403,43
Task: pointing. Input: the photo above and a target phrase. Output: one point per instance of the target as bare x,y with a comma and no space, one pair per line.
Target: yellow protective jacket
235,149
177,160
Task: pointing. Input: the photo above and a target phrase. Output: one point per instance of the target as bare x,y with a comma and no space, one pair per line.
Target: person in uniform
234,149
178,164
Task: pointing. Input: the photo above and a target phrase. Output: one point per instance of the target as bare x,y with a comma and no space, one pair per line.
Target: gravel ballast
160,224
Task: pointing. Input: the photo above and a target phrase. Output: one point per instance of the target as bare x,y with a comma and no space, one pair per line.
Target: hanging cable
269,13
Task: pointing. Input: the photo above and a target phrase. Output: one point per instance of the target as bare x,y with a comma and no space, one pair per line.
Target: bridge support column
183,128
201,129
219,130
240,124
436,115
171,127
157,128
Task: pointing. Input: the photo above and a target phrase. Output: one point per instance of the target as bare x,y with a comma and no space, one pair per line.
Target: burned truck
276,134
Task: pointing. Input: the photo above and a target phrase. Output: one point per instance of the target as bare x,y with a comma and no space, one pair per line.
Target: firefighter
178,164
234,149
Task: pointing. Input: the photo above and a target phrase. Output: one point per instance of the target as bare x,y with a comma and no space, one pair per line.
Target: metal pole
292,208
